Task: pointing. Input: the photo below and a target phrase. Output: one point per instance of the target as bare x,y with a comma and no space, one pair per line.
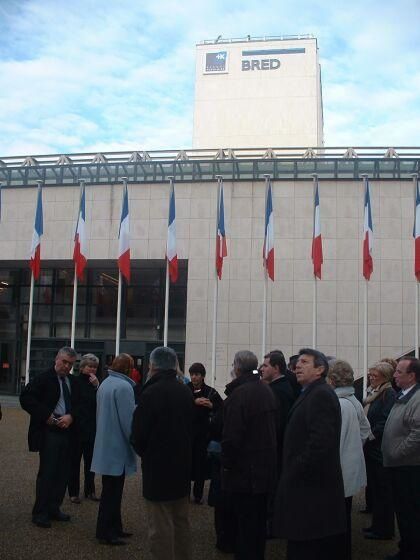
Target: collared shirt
60,407
405,391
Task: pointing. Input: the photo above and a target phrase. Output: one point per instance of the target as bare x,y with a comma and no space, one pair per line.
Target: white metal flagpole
165,325
264,317
215,291
118,327
416,310
314,286
28,344
166,316
73,311
365,313
75,286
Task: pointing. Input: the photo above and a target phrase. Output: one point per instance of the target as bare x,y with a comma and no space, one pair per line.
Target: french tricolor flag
221,246
317,257
367,235
171,254
35,262
268,249
79,252
416,234
124,238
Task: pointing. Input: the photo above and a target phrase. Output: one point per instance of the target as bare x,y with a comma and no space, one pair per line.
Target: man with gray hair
162,437
249,453
52,399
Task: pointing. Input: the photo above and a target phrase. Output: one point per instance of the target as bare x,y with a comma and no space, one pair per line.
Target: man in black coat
273,372
207,401
162,436
249,453
310,509
52,399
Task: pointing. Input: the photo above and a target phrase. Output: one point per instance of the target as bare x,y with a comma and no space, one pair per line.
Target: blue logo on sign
216,62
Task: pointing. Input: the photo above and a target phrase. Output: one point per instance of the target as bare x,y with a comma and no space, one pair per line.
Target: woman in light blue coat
113,456
355,429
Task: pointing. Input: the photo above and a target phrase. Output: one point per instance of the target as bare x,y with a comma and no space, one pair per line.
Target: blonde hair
384,368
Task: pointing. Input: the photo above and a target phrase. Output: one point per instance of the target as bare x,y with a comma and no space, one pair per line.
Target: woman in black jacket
377,408
84,437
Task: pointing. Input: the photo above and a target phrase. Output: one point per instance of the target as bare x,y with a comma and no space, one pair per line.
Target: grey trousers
169,529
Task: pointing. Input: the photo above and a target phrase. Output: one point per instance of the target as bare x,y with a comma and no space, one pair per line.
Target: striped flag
171,254
416,234
268,249
221,246
124,238
317,257
368,235
79,252
35,262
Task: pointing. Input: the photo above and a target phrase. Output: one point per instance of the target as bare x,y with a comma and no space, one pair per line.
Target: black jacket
249,436
310,497
201,420
39,398
285,398
377,415
86,422
162,436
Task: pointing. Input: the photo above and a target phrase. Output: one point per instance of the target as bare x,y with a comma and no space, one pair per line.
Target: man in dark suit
162,436
310,498
51,399
249,454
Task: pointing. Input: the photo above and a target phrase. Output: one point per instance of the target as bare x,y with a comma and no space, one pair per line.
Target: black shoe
198,501
92,497
124,535
60,516
41,521
376,537
112,542
366,510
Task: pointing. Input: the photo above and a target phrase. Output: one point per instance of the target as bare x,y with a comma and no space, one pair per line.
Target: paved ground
20,540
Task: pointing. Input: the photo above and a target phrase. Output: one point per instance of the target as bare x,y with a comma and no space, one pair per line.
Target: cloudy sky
95,75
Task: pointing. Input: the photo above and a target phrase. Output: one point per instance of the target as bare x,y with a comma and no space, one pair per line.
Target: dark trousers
251,517
347,537
328,548
81,449
381,492
406,491
109,525
199,466
53,473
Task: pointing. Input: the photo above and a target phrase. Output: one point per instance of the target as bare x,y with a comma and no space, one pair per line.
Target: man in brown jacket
249,453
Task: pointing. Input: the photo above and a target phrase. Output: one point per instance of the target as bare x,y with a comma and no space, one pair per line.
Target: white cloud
84,76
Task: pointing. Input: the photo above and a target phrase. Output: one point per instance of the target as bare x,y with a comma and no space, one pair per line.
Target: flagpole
75,285
365,322
118,328
73,311
166,316
314,284
120,280
28,344
264,318
31,307
215,292
416,310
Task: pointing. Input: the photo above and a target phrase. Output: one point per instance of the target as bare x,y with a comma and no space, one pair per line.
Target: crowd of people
285,451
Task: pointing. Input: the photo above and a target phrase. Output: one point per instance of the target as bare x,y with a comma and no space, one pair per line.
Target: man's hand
51,420
64,421
202,401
